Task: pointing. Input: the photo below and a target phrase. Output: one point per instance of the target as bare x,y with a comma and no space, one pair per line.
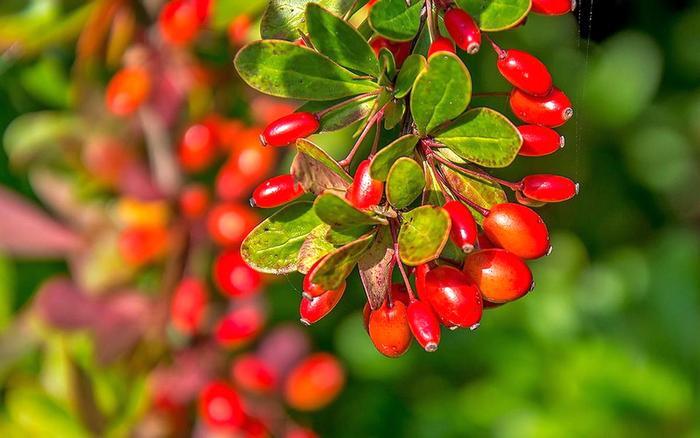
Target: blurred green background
607,344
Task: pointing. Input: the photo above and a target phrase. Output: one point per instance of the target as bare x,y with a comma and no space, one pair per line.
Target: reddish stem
499,51
345,103
397,257
376,117
513,186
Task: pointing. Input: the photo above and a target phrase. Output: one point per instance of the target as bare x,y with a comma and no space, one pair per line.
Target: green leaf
344,235
335,38
338,212
314,247
482,136
337,265
424,233
376,266
39,415
387,63
273,246
381,163
411,68
224,11
440,93
317,171
284,69
284,19
40,135
496,15
404,183
482,192
395,20
393,115
432,193
8,282
343,116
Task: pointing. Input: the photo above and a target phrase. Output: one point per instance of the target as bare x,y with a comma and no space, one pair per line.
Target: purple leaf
62,305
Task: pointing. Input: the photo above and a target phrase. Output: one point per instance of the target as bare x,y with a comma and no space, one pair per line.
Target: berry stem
378,116
346,102
392,226
499,51
443,181
479,174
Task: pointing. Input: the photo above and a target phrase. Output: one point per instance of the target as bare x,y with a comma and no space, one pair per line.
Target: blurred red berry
234,277
314,383
127,90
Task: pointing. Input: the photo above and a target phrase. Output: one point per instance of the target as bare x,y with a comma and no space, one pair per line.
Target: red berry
229,223
441,44
234,277
313,310
127,90
484,242
140,245
194,201
313,290
548,188
365,192
389,330
500,275
198,148
238,30
314,383
276,191
399,292
289,129
454,298
220,406
463,232
424,325
421,272
253,374
254,428
239,326
463,30
539,141
179,22
517,229
525,72
203,8
366,312
398,49
551,110
553,7
188,305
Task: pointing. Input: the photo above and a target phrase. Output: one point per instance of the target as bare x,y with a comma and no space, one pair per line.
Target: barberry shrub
419,195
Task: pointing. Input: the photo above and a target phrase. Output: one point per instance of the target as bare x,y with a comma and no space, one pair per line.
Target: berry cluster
422,199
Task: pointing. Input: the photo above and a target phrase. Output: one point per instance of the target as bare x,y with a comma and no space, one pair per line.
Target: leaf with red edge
376,266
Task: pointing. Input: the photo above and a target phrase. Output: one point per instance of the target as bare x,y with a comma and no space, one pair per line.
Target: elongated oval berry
552,110
179,22
234,277
463,30
197,149
463,231
525,72
251,373
400,50
188,305
229,223
421,272
194,201
289,129
424,325
220,406
399,292
441,44
553,7
314,309
314,383
453,297
517,229
127,90
389,330
313,290
239,326
539,141
501,276
365,192
276,191
548,188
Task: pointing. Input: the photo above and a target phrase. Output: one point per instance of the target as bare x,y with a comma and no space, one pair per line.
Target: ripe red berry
194,201
421,272
525,72
252,374
276,191
441,44
552,110
463,232
239,326
365,192
314,309
314,383
517,229
389,330
501,276
453,297
127,90
424,325
229,223
553,7
539,141
484,242
548,188
198,148
463,30
238,30
234,277
398,49
366,312
313,290
179,22
399,292
289,129
220,406
188,305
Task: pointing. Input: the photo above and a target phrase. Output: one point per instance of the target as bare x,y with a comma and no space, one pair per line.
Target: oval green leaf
339,213
395,20
496,15
483,136
284,19
424,233
382,162
317,171
284,69
440,93
411,68
404,183
314,247
273,246
338,264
